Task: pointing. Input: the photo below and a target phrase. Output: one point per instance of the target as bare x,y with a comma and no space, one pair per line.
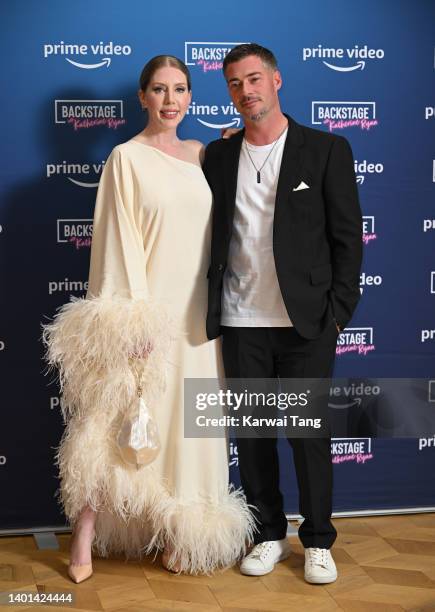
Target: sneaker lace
260,550
318,556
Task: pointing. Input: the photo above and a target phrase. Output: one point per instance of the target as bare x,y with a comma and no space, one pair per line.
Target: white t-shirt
251,295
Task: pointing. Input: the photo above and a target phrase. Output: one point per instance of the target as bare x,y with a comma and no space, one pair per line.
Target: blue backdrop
364,70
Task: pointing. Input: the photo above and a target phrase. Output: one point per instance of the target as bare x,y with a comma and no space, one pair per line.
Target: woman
148,269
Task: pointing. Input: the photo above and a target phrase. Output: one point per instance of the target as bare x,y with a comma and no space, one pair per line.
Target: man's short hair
241,51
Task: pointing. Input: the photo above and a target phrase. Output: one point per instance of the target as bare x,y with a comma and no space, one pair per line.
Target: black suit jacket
317,232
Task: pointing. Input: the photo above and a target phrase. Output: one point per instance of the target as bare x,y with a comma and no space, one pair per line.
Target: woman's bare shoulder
195,148
195,145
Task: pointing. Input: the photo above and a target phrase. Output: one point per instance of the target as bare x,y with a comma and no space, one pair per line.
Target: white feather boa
89,341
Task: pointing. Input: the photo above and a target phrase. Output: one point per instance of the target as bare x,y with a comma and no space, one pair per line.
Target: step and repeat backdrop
365,70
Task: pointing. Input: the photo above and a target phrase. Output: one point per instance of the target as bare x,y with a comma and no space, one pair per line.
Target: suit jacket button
220,267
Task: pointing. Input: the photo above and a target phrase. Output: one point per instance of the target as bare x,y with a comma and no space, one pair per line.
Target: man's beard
256,116
259,115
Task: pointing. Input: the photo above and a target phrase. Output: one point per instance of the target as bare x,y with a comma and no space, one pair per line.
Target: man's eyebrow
247,76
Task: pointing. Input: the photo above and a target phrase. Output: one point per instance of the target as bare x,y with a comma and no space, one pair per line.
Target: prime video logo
67,285
55,402
208,55
426,443
228,112
349,396
234,455
356,54
339,115
78,170
369,280
363,167
108,49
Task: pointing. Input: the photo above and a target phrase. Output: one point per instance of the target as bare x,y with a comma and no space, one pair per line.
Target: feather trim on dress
204,536
89,341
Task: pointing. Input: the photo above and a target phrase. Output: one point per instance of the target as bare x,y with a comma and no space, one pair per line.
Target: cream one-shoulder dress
147,285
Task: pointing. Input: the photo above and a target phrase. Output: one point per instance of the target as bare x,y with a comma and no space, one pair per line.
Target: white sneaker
262,558
319,566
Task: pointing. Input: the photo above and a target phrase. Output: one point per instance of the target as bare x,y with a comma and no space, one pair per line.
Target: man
283,282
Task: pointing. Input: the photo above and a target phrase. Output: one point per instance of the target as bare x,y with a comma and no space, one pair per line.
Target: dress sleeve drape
91,339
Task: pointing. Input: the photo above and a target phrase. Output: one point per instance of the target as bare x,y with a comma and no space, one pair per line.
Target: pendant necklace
258,170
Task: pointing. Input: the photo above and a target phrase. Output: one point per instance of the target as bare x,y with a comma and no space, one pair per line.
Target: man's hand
228,132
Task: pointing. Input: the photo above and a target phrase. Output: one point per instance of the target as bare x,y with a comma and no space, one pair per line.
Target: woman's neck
159,136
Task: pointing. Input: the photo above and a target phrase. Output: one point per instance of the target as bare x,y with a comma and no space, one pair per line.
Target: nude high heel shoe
81,572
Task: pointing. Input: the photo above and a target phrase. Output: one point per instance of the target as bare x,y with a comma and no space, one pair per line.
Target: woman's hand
144,353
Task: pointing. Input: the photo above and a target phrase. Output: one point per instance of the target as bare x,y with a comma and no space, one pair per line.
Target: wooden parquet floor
385,564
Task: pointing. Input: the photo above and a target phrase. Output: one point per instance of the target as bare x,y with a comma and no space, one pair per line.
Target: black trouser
269,352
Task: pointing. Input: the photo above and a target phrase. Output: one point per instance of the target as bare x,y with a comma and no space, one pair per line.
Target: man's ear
277,79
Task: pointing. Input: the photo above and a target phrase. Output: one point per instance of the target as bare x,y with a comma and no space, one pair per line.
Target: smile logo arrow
357,401
359,66
81,184
218,126
106,62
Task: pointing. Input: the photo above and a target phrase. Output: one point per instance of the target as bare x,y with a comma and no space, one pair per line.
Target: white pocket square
301,186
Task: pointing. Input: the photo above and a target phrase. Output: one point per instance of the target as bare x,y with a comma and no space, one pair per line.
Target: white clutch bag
138,437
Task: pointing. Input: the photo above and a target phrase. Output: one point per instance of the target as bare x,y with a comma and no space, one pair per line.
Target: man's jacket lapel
231,165
291,164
